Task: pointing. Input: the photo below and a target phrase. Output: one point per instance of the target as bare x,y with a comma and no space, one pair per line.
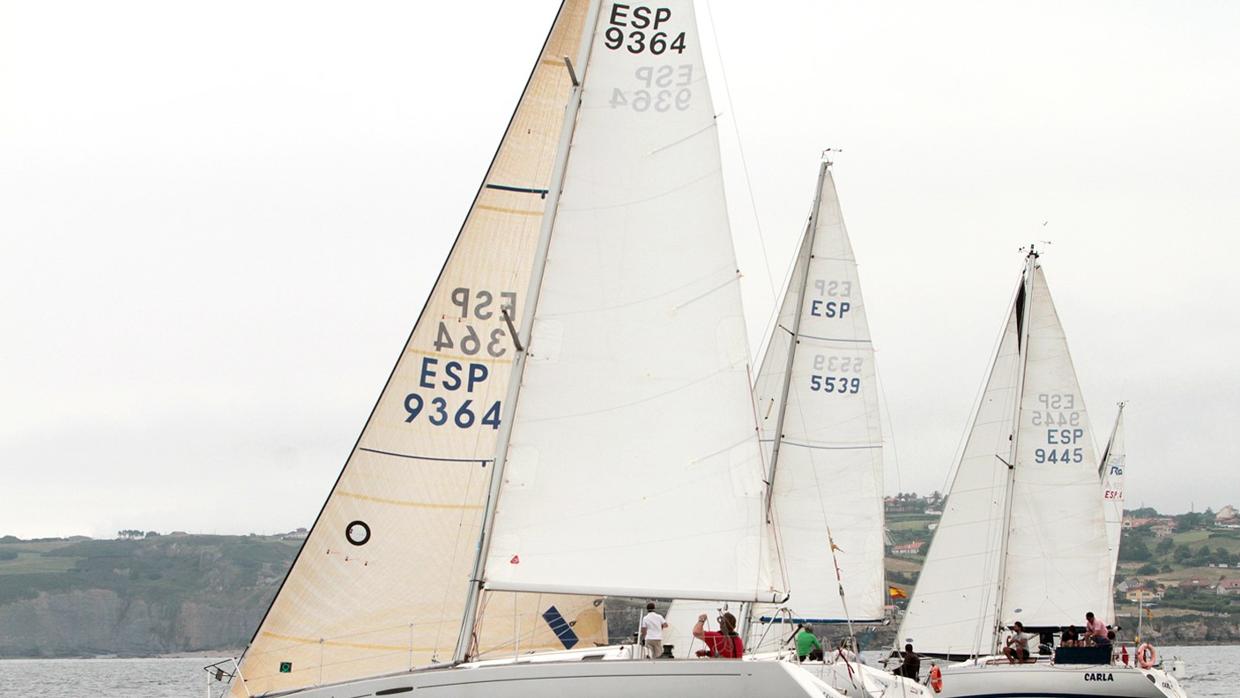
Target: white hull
854,679
1003,680
864,681
707,678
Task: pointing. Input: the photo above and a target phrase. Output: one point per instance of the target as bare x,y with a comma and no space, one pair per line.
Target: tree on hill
1183,553
1131,550
1164,546
129,534
1142,513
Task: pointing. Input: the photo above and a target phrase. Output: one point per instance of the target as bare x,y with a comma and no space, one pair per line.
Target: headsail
637,379
1111,471
379,585
819,410
1057,568
1022,536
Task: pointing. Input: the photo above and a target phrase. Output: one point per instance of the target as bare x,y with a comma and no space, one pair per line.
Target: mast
522,339
1022,316
812,232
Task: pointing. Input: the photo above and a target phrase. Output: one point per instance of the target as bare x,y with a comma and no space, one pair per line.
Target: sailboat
585,336
818,407
1023,535
1111,473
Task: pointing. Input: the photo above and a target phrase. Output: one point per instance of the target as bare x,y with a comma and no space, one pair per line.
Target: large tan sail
380,583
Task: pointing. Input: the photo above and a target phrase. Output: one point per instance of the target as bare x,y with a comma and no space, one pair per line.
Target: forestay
637,383
1111,471
379,585
828,467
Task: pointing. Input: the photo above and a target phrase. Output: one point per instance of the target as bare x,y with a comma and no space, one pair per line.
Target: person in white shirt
1016,648
652,631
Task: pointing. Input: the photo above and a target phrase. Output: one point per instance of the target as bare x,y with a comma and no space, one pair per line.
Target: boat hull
1057,681
718,678
856,679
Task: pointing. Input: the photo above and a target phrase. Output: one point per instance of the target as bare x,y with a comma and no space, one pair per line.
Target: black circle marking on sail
357,533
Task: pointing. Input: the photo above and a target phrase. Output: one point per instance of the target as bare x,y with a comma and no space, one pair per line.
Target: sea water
1213,672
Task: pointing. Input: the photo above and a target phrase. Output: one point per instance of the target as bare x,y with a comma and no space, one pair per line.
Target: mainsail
1111,472
379,585
818,405
636,381
1022,536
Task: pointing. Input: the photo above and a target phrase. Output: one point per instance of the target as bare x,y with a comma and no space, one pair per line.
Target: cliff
136,597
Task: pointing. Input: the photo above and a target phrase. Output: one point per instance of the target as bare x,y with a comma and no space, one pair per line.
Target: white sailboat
818,407
600,240
1111,472
1023,536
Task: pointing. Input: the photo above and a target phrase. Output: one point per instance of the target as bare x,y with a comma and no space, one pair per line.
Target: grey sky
218,222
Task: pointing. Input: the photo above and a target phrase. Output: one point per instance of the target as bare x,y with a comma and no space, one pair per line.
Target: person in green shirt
807,644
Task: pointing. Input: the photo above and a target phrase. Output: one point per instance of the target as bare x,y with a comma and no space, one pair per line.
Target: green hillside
145,594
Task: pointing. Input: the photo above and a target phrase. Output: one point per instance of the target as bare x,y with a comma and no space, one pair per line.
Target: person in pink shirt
1094,628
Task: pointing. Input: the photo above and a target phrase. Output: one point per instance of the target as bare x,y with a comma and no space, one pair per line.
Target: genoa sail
1022,536
636,382
818,405
1111,472
380,582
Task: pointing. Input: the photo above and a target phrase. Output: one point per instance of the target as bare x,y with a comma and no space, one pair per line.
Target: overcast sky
218,222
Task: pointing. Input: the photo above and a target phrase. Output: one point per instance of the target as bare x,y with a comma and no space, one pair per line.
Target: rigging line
885,406
958,454
768,335
740,148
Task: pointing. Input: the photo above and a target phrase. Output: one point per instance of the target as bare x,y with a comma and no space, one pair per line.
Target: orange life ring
936,679
1147,656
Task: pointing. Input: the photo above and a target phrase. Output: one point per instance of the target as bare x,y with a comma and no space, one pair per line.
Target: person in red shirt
724,643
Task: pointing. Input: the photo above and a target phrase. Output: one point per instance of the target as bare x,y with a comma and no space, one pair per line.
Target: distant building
1227,516
1163,529
1196,584
1143,595
1228,587
909,548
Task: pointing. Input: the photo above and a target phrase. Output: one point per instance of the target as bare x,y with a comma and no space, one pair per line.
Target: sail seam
407,502
502,209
